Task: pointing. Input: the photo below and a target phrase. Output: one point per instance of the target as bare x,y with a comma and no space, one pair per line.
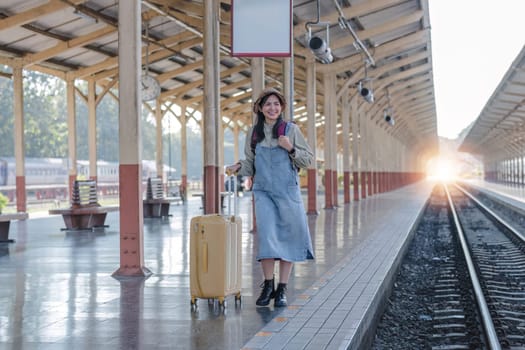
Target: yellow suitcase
215,258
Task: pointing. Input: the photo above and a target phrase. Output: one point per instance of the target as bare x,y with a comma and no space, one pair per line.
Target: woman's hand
248,182
284,142
233,169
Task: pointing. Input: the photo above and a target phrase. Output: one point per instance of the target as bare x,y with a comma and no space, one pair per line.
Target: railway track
498,256
471,280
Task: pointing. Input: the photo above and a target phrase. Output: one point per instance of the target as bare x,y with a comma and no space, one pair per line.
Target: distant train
47,178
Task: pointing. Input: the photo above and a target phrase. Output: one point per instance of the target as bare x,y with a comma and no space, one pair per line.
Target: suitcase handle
232,191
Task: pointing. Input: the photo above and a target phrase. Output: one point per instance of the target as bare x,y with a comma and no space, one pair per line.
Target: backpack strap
253,141
282,128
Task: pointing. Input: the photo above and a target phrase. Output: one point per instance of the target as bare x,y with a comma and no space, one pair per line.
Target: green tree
6,117
149,135
45,116
107,131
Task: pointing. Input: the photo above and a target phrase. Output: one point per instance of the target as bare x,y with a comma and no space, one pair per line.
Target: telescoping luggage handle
232,192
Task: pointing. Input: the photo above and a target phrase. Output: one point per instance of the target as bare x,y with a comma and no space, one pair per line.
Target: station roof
78,39
499,128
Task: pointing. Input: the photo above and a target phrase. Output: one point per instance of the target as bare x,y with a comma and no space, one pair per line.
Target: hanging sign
261,28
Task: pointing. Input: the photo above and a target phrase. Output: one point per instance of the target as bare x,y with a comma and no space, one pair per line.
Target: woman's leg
268,268
285,268
268,289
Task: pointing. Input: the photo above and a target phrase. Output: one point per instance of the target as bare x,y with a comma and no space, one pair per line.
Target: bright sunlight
441,169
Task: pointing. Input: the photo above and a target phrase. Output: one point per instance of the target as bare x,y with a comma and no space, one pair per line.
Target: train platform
57,289
512,195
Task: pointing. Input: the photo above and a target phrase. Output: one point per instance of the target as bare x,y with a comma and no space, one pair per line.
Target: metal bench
5,221
85,212
156,204
200,194
175,191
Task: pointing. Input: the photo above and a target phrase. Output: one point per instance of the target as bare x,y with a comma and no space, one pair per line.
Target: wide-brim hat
268,92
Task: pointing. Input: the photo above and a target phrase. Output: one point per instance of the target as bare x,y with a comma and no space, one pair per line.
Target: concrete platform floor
57,292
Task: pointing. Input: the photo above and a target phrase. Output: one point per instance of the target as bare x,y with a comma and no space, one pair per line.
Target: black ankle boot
267,293
280,296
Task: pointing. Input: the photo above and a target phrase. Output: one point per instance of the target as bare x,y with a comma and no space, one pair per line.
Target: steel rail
486,319
490,212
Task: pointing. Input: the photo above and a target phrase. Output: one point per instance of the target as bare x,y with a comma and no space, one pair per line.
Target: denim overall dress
282,230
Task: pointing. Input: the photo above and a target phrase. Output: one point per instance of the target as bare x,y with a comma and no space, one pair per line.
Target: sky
474,42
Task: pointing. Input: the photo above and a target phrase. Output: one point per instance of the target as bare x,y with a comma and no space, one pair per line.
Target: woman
272,158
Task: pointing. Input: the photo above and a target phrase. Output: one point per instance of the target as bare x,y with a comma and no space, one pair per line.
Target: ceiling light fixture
319,47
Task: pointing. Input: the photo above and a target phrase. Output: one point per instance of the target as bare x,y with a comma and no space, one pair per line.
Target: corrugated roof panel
107,42
33,43
82,55
17,6
13,35
78,26
392,13
396,33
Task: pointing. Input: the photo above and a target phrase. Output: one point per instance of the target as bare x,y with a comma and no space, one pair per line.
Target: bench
156,204
200,194
176,191
5,221
85,212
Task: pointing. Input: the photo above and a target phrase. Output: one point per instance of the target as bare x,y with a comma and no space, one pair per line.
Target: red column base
133,271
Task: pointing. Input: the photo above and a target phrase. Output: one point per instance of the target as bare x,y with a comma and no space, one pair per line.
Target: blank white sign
261,28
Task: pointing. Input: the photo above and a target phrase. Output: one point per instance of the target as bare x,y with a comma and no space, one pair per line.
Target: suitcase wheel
222,303
193,302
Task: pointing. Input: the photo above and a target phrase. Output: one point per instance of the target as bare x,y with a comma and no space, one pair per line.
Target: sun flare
442,170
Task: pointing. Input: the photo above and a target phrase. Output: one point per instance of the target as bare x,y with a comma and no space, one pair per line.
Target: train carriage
47,178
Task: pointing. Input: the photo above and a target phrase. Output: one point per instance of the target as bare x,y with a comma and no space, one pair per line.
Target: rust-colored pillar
363,150
311,135
18,109
363,184
92,129
184,151
211,118
355,146
370,176
21,199
330,145
355,181
211,200
312,191
335,188
72,135
346,186
327,186
159,150
130,169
